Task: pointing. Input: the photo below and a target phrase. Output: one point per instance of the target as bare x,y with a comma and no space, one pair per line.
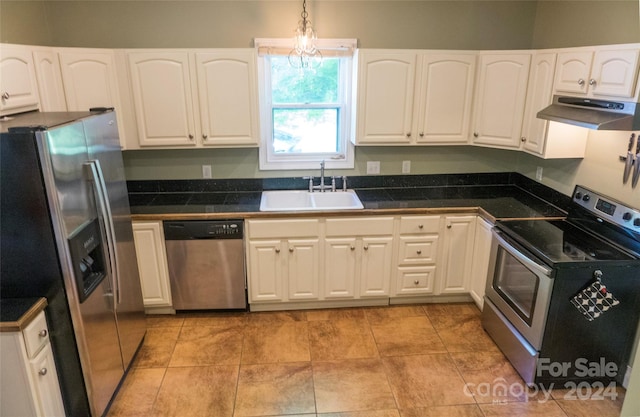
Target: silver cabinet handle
416,282
448,226
277,250
190,136
366,247
6,96
43,333
43,371
421,134
421,226
205,136
581,82
476,134
409,134
419,252
352,248
592,82
291,250
523,139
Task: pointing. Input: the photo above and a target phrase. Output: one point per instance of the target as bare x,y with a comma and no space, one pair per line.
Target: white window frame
345,49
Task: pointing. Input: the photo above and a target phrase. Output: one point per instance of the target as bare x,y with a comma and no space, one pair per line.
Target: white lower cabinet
418,238
456,258
29,380
339,261
152,264
365,246
283,259
480,262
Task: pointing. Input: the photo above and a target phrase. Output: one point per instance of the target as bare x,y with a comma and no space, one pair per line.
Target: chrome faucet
322,187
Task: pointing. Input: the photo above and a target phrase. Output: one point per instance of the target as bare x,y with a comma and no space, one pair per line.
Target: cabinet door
375,267
614,73
152,263
45,377
161,90
458,252
501,95
340,267
303,269
228,98
444,97
49,78
572,72
265,270
89,79
18,86
539,96
480,262
385,97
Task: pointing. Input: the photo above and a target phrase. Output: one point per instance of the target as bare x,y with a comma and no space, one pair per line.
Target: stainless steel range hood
593,113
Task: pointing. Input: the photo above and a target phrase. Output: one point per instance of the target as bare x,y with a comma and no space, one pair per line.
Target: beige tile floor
431,360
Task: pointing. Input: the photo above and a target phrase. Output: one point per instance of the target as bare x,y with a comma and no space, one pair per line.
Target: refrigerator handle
95,175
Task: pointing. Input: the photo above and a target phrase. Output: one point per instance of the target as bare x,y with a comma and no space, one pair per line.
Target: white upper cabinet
603,72
49,77
161,90
189,99
89,78
501,94
18,86
228,97
386,83
410,97
444,98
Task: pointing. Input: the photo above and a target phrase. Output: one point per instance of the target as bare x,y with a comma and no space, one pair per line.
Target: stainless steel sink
298,200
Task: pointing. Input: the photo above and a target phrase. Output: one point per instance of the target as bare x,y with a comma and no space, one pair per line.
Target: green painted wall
428,24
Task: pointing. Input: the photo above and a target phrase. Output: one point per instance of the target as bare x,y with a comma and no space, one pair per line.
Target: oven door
520,287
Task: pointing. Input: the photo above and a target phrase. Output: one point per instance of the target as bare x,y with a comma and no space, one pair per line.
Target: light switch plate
206,171
373,167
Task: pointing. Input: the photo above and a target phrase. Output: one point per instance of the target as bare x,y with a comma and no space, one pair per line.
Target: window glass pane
305,130
290,85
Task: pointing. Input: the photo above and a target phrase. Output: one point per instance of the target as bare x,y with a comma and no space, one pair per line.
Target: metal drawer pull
291,250
5,96
366,247
416,282
419,252
43,371
580,82
43,333
592,82
277,250
448,226
421,226
352,248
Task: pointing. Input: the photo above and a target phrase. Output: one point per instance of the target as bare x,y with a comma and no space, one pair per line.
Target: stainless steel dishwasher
206,264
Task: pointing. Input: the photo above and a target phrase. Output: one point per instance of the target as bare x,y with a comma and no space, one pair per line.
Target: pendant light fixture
305,53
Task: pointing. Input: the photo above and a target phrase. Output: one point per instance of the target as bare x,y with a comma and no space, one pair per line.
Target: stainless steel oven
538,275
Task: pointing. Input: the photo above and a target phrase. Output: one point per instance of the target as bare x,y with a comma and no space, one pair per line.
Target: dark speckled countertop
495,196
17,313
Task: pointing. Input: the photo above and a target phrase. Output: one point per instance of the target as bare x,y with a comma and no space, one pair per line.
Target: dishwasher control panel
203,229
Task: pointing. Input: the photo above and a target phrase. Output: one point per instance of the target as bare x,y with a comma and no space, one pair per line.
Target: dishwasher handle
203,229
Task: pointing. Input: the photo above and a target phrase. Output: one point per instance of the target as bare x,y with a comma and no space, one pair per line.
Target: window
305,114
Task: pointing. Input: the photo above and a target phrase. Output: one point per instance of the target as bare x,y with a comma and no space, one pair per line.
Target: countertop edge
25,319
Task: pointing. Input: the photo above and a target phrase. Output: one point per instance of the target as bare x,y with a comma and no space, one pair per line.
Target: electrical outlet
206,171
406,167
539,173
373,167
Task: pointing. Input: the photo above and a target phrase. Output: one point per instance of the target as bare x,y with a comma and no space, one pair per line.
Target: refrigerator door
64,155
104,146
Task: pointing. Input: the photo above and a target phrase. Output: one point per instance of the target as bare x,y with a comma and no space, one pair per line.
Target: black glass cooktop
557,241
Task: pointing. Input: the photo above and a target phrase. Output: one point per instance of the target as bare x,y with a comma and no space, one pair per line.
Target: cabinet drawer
415,280
36,335
360,226
419,224
418,250
282,228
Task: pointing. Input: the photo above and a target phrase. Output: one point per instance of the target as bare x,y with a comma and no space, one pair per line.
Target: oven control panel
607,208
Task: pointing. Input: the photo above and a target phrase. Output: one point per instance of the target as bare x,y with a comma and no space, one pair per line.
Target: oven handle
534,266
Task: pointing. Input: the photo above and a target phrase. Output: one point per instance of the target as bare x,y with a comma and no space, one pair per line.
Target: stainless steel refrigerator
66,235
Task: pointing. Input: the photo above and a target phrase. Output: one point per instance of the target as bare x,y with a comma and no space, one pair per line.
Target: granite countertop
499,196
17,313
